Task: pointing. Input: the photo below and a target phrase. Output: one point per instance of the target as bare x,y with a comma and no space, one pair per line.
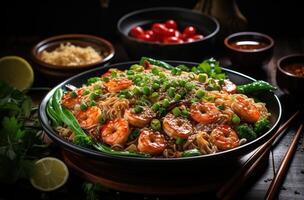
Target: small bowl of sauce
290,74
249,48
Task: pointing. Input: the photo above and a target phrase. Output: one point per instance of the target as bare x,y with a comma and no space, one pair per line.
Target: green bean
257,86
191,152
109,151
155,62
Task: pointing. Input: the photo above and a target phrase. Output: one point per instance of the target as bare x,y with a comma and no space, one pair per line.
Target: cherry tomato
170,32
189,40
178,34
159,29
197,37
136,31
189,31
151,33
146,37
173,40
171,24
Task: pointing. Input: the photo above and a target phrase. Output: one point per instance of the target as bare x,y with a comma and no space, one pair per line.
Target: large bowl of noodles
156,174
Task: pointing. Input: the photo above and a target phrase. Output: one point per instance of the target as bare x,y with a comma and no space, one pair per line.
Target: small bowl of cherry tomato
168,33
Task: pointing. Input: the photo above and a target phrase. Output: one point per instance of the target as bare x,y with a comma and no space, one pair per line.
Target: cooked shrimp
89,117
70,101
115,85
224,137
139,119
204,113
229,87
177,126
151,142
115,132
245,109
202,140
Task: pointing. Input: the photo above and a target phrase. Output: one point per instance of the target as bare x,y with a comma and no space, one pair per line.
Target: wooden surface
293,186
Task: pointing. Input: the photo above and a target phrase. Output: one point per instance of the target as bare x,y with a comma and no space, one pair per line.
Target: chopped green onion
189,86
176,71
179,140
194,100
134,134
105,79
73,94
86,92
221,107
191,152
202,78
83,107
177,97
138,109
155,124
165,103
185,113
136,91
182,83
92,103
171,92
176,111
114,74
155,71
166,85
93,80
97,87
155,107
137,68
93,96
101,119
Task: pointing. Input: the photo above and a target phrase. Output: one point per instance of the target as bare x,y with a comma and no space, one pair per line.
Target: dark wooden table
255,188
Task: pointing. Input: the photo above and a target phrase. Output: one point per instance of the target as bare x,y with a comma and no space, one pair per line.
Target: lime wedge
17,72
49,174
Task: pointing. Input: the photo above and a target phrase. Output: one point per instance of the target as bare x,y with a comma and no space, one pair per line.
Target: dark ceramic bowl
288,82
206,25
59,73
252,56
141,175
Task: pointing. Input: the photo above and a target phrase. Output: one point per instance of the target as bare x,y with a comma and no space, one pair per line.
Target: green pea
146,90
165,103
200,94
175,83
137,68
162,75
155,86
235,119
130,72
155,124
154,94
176,111
166,85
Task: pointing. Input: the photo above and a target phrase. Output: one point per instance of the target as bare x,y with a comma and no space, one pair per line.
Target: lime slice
49,174
17,72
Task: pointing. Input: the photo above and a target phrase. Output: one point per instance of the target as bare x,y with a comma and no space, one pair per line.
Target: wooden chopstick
279,177
230,188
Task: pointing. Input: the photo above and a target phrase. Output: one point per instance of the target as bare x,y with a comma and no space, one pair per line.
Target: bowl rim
71,36
290,56
99,155
120,21
249,33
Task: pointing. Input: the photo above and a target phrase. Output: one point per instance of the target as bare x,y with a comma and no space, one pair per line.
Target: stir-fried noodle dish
153,109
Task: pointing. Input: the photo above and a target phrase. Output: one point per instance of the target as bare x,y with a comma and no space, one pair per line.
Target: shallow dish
58,72
113,169
206,25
